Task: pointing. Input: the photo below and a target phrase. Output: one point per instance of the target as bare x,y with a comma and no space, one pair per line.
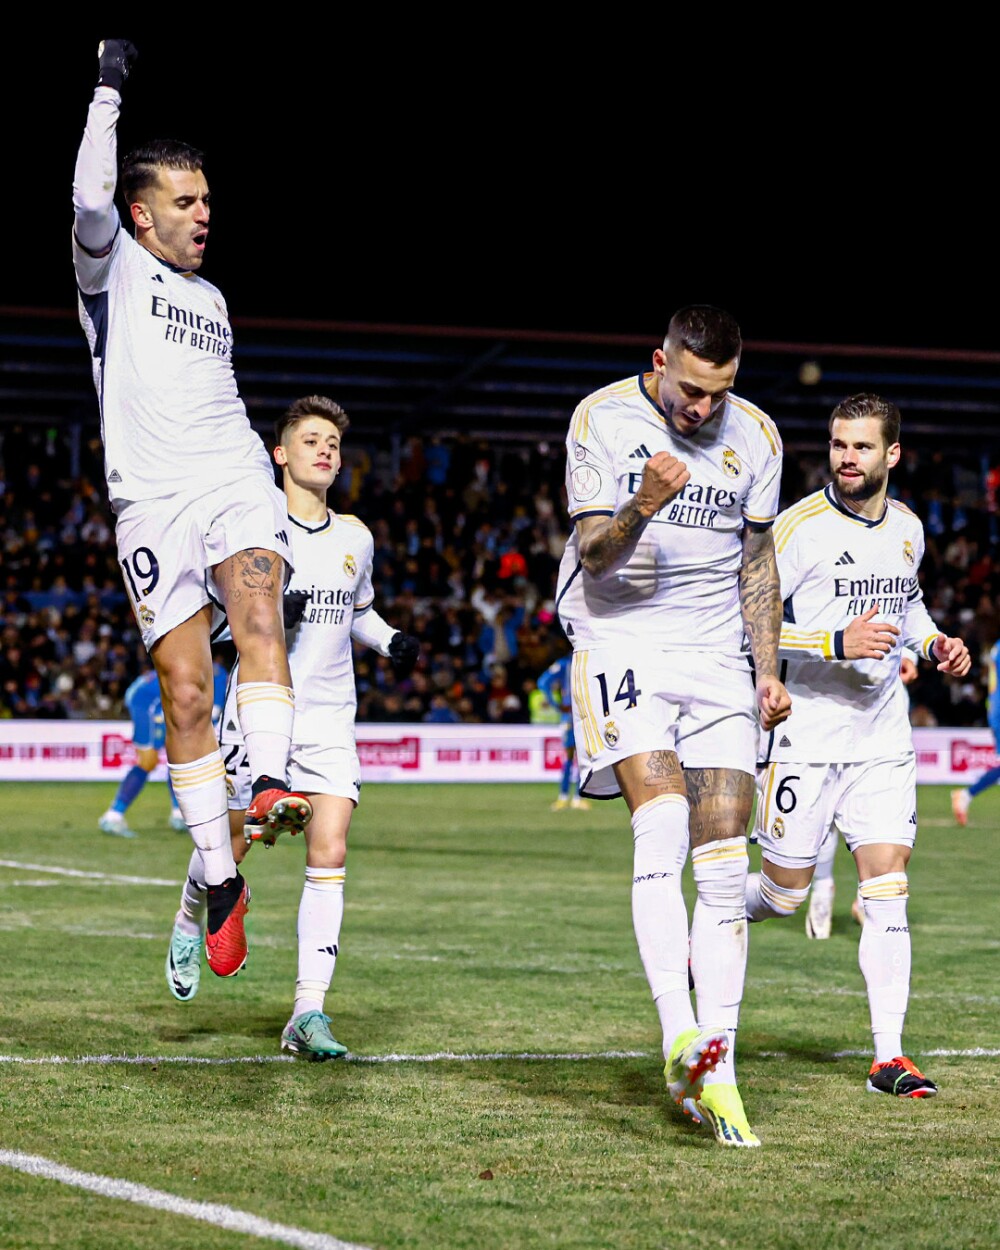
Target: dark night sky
381,182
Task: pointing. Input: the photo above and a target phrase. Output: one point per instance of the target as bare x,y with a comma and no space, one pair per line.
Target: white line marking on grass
145,1060
117,878
208,1212
448,1056
442,1056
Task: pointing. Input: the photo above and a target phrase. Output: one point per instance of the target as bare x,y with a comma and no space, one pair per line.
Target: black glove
293,605
404,651
117,56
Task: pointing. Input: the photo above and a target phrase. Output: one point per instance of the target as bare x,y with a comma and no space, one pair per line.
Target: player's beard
864,487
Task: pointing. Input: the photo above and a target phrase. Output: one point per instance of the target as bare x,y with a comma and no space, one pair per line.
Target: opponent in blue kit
962,798
554,684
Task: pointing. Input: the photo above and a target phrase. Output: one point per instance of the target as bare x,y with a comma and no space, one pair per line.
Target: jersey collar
833,499
312,529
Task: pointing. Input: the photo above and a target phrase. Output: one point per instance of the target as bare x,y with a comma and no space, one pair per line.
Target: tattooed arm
607,542
760,604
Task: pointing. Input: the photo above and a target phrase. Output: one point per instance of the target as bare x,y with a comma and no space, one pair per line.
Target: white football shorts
311,770
700,706
869,802
168,547
332,768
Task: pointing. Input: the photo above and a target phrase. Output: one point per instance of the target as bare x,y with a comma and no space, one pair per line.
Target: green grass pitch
482,926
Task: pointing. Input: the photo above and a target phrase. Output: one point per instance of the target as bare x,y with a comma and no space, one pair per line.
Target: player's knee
769,898
659,831
147,758
720,870
187,701
885,898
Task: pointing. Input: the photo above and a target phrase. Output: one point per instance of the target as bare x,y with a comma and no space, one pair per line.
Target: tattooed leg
645,777
721,800
251,584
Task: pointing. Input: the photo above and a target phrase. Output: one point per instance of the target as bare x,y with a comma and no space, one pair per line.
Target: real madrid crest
611,734
146,617
778,828
908,555
350,568
732,466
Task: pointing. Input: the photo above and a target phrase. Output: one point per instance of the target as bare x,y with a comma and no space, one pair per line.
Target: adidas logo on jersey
846,558
642,452
114,476
784,742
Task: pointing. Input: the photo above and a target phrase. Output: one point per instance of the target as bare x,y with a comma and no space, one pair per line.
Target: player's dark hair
141,168
310,406
706,332
863,405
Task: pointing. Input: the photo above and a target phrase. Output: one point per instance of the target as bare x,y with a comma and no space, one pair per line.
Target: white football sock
321,911
266,711
659,913
884,956
190,919
200,789
719,941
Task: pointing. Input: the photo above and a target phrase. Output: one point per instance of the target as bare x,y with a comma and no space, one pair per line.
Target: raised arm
95,217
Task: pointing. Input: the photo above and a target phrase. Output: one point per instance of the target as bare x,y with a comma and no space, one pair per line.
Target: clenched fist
663,479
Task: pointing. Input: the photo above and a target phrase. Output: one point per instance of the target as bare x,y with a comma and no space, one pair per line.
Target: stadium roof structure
508,384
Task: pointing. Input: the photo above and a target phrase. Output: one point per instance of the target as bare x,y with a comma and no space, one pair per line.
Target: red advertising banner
102,751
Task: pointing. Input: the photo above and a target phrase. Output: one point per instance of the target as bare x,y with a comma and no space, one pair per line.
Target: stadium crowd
468,537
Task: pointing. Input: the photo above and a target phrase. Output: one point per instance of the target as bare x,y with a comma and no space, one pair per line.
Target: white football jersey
834,566
172,419
333,563
679,588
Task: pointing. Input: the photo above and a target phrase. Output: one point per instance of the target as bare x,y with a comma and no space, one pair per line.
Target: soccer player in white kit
819,917
329,602
849,558
198,516
672,483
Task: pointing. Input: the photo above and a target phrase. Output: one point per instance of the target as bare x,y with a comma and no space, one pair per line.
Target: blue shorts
568,737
